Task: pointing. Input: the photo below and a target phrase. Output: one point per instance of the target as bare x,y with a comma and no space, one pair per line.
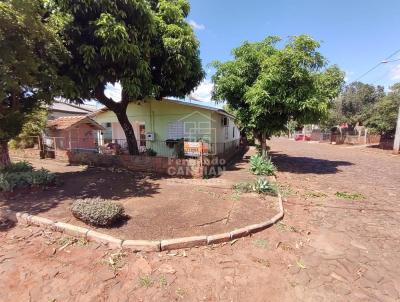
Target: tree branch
102,98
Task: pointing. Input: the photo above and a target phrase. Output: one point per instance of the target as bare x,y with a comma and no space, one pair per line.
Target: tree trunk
264,145
4,155
129,133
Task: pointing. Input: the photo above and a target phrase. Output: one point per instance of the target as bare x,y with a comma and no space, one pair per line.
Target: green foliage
22,175
33,126
354,102
382,115
263,186
261,166
260,186
30,51
21,166
145,45
291,127
347,195
97,211
267,86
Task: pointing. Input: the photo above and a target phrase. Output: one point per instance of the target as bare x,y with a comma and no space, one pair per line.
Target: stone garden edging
148,245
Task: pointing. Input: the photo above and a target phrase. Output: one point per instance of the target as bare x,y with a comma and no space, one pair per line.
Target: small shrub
261,166
260,186
11,180
21,166
263,186
97,211
41,177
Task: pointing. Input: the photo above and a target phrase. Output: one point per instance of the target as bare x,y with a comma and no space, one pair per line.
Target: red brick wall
155,164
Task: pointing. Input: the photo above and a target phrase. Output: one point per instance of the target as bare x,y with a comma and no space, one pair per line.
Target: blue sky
354,34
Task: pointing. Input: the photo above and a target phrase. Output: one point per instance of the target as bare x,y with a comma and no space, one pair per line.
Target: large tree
30,53
267,86
145,45
353,103
381,117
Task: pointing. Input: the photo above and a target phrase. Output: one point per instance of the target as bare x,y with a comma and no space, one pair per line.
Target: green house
158,124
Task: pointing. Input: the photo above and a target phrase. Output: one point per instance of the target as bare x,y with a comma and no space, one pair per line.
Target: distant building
60,109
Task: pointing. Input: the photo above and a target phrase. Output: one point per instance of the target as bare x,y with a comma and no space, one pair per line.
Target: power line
377,65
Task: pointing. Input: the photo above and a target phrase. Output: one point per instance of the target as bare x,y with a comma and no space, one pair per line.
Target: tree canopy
267,86
145,45
353,103
30,54
381,117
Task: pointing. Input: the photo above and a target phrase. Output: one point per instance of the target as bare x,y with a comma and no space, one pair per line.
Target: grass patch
315,194
242,187
163,281
145,281
180,293
351,196
284,227
286,190
261,243
116,261
260,186
263,262
300,264
67,241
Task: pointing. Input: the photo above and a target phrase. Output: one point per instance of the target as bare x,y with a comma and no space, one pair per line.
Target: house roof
72,108
66,122
175,101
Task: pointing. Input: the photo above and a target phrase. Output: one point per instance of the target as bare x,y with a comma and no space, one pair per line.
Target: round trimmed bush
97,211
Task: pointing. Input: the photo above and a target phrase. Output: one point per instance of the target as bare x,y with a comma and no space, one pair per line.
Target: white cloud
203,92
395,73
113,91
196,25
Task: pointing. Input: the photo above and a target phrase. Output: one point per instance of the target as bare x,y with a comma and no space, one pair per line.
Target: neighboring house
72,132
59,109
157,124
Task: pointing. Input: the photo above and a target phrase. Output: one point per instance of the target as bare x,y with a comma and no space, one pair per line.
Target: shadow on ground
91,182
306,165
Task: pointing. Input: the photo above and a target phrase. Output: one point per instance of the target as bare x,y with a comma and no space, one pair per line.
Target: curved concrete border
148,245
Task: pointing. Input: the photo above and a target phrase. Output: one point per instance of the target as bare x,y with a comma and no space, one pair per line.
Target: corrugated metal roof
71,108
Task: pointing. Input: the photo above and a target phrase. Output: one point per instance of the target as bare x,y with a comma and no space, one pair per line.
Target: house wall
80,136
224,134
157,115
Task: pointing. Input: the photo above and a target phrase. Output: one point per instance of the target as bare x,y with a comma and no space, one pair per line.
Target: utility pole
396,145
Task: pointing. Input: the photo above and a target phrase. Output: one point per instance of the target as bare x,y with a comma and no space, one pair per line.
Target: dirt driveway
339,241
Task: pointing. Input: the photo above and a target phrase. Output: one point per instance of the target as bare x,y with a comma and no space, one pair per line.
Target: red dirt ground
326,248
159,208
